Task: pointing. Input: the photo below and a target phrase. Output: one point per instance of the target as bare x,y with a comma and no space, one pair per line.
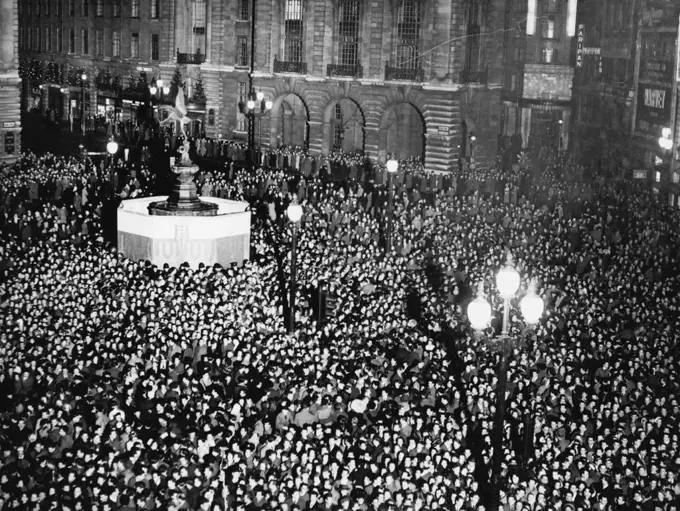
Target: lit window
531,17
408,34
134,45
116,8
154,9
548,29
116,43
199,16
242,51
293,31
348,33
240,117
134,12
243,10
571,18
99,8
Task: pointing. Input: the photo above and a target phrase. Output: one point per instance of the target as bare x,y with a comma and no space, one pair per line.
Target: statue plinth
183,201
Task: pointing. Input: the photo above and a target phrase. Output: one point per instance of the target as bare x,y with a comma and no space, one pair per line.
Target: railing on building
470,76
415,74
352,71
190,58
289,66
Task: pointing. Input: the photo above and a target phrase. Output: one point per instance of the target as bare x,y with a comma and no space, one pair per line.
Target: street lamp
83,77
111,148
479,314
294,213
250,108
392,167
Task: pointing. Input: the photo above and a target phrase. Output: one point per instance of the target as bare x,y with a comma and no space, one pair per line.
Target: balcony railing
289,66
468,76
406,74
190,58
355,71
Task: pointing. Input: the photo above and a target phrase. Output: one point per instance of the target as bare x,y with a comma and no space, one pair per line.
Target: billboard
653,110
655,85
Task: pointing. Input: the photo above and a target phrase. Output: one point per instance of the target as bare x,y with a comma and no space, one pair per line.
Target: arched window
348,33
293,48
408,34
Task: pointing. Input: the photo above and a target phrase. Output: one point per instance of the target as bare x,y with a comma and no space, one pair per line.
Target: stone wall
10,85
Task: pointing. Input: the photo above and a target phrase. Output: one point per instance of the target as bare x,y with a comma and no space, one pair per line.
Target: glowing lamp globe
392,166
507,280
153,90
666,132
479,313
294,213
83,76
269,104
166,90
159,83
532,306
112,148
251,104
260,96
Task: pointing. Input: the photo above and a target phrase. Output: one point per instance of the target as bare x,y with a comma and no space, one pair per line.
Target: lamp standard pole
392,166
479,314
294,212
83,77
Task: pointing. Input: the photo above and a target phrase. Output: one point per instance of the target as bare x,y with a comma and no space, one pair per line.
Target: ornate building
10,122
408,77
539,71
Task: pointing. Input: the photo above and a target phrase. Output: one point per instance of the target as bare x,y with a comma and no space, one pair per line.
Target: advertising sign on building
580,34
655,85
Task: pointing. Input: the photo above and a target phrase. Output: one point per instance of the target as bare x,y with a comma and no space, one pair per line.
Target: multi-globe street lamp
479,315
392,167
256,106
294,213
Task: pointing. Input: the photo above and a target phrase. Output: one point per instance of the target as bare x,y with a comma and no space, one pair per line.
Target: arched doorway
289,122
343,127
402,133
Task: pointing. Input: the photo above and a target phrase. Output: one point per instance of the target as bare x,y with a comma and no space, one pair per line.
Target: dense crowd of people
128,386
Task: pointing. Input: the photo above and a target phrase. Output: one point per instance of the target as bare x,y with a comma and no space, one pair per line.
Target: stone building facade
539,70
10,121
406,77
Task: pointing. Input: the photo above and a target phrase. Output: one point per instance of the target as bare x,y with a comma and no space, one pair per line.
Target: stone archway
288,123
402,132
343,127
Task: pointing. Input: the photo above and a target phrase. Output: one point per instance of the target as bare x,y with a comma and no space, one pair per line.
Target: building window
293,34
71,40
154,10
513,82
199,17
37,8
85,41
348,33
116,43
99,43
473,39
60,41
211,117
242,51
408,34
240,117
38,36
339,129
551,5
134,45
116,8
243,10
519,54
531,17
155,47
134,12
549,56
48,7
86,8
59,11
549,29
71,8
48,39
99,8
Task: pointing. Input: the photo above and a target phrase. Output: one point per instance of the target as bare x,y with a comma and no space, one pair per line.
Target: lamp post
250,108
479,314
294,213
83,77
392,167
112,149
